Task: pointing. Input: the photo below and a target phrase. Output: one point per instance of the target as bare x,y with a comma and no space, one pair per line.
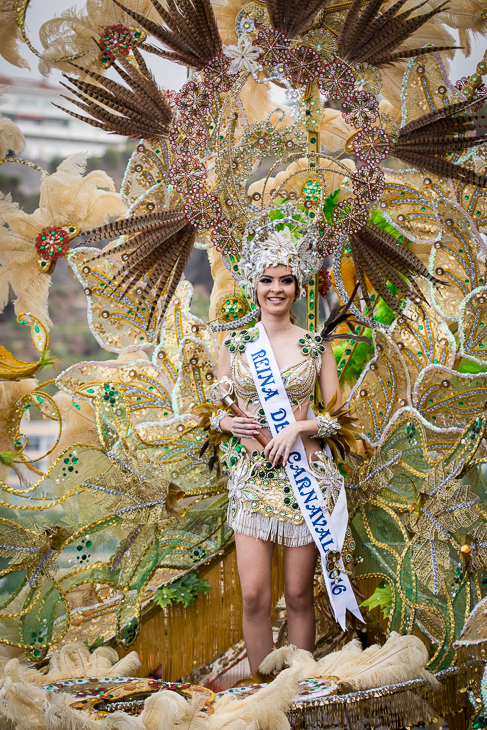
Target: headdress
285,240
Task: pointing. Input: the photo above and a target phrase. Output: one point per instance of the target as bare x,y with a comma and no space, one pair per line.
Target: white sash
328,530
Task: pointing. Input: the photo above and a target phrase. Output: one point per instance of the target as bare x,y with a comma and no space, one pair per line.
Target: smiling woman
274,369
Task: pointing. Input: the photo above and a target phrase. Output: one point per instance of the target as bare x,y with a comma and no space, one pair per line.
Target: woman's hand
280,446
242,428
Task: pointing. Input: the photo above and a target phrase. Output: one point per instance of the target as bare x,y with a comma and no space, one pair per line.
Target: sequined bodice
299,380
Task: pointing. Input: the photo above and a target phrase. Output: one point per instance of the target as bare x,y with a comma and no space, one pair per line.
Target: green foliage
378,220
358,360
330,204
184,590
468,366
47,360
7,458
382,597
363,352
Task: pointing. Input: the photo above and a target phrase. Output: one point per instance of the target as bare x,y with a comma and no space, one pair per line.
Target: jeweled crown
273,247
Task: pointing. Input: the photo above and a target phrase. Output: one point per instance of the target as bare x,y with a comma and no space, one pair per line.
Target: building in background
48,131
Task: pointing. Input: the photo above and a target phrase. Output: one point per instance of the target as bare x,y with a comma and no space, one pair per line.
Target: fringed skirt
261,502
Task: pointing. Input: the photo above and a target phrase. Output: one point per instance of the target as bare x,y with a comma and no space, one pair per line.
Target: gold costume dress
261,500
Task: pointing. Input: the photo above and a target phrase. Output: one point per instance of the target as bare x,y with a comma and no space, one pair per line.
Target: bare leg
254,559
299,567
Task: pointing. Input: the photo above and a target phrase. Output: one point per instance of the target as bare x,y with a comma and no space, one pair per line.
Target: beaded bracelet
216,418
327,425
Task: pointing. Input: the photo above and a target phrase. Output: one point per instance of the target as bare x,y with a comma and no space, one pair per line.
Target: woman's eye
287,281
265,281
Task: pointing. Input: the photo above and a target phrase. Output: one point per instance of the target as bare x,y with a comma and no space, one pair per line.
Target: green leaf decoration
184,590
7,458
330,204
381,597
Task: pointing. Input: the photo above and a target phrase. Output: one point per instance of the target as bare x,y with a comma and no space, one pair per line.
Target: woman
257,488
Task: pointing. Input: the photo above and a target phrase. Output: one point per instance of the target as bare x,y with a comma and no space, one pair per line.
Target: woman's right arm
240,427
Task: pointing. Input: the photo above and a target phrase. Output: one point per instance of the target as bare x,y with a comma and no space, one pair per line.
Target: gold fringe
381,707
394,706
179,639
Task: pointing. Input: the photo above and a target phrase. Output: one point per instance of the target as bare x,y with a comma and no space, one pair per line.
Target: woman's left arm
280,446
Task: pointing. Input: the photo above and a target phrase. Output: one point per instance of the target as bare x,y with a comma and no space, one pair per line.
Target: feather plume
378,40
425,140
256,101
10,36
466,17
341,315
267,708
157,247
225,14
187,28
330,664
75,660
402,658
334,131
167,710
11,138
22,703
141,110
72,32
381,258
345,441
286,656
215,438
292,16
66,198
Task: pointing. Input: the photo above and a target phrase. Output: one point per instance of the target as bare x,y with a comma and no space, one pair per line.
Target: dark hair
292,316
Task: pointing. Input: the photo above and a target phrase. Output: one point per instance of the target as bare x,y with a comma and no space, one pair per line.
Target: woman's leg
254,559
299,568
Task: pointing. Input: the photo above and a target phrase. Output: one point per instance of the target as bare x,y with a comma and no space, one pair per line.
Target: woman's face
276,289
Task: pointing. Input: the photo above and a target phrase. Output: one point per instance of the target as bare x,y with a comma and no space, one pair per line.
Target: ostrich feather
11,138
72,33
334,131
225,14
167,710
401,659
10,36
331,663
267,708
67,197
287,656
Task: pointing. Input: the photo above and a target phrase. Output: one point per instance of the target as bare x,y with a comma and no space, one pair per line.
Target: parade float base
91,702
